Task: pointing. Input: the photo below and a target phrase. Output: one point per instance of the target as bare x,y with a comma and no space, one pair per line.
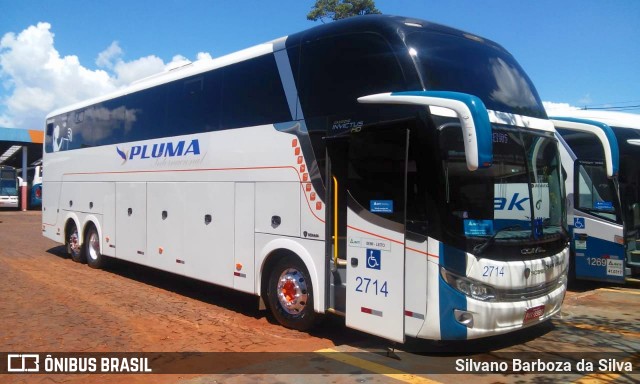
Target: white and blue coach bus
603,193
397,172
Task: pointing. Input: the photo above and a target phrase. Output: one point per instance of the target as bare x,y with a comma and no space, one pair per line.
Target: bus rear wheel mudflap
72,242
290,294
91,249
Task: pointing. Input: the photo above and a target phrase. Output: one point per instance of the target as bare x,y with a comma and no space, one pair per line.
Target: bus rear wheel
290,294
73,243
92,249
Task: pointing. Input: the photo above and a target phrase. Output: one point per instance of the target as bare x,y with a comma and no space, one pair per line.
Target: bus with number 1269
603,192
397,172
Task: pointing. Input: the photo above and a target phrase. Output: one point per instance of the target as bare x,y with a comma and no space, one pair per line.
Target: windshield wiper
479,248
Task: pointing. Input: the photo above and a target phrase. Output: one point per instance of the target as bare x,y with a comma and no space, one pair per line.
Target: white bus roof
611,118
181,72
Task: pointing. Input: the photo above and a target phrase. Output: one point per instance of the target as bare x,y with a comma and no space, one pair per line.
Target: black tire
72,241
290,294
91,249
571,272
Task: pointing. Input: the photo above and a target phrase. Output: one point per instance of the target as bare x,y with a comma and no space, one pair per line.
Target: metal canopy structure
21,148
12,140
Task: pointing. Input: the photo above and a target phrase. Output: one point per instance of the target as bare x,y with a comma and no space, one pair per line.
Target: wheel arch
72,218
275,251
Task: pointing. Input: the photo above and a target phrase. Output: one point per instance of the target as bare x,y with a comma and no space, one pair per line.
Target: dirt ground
50,303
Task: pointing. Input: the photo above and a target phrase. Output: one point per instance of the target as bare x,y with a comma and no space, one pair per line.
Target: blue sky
54,52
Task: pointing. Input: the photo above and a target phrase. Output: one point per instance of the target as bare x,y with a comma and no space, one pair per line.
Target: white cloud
553,107
204,56
127,72
37,80
107,57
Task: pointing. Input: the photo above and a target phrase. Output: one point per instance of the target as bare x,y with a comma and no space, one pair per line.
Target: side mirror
473,116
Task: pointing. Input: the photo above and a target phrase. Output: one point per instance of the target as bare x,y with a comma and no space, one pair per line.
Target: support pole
23,185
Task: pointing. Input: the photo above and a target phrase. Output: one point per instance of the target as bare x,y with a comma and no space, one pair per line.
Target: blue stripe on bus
450,300
589,265
454,259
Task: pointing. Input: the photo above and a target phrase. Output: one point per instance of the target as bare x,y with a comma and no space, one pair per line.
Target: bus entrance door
375,230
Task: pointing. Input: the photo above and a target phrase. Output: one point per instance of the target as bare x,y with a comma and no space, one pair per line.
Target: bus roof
611,118
385,25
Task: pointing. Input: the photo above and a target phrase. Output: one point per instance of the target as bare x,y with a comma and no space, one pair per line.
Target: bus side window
252,94
145,114
592,191
337,70
194,104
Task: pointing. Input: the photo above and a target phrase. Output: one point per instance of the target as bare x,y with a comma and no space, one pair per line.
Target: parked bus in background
603,199
400,173
35,188
34,185
8,187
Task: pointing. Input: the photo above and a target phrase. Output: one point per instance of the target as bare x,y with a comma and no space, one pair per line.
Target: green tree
340,9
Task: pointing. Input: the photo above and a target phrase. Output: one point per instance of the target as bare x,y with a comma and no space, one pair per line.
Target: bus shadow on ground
328,327
332,327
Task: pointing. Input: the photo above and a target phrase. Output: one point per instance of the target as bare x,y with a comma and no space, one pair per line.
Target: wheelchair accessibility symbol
373,259
578,222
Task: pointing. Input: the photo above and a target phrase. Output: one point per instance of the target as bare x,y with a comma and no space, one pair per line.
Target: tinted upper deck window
335,71
470,65
252,94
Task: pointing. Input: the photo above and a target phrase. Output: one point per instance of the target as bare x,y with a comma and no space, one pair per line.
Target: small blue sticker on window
578,222
478,227
608,205
381,206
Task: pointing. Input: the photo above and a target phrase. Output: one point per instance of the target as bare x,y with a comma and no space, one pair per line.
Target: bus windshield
8,184
514,206
472,65
629,175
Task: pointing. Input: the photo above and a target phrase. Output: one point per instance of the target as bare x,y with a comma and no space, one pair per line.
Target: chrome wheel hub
292,291
74,244
94,246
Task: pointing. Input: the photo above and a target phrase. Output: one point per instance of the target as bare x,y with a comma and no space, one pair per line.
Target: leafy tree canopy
340,9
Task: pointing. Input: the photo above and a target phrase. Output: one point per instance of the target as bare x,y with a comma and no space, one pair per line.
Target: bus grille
530,293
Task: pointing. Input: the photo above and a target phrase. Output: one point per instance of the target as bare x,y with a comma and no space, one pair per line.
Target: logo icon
578,222
373,258
527,273
23,362
122,154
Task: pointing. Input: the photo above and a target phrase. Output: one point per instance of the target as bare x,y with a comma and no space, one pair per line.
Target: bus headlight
471,288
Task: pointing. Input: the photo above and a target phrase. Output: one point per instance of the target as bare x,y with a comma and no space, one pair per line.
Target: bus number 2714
365,283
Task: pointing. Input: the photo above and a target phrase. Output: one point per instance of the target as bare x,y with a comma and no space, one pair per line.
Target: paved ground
48,303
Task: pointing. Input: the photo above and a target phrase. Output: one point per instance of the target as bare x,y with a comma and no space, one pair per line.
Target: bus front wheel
92,249
290,294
